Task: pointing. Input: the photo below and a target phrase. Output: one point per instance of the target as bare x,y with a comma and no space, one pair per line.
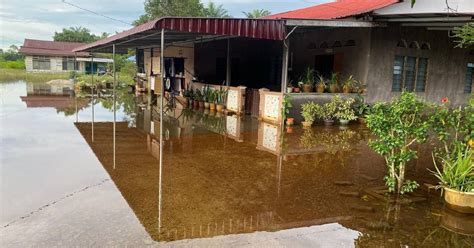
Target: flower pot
207,105
185,102
201,104
220,107
462,202
212,106
290,121
296,90
361,120
306,124
289,129
196,104
346,89
289,89
328,122
212,112
190,103
457,222
333,88
344,122
307,88
320,88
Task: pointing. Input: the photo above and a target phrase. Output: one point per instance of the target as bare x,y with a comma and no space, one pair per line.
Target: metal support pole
228,69
284,66
92,97
162,92
114,98
75,95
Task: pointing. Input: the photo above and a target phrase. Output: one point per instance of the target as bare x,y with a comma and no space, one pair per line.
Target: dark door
324,65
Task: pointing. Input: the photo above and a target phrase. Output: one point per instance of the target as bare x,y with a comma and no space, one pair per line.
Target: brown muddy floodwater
221,174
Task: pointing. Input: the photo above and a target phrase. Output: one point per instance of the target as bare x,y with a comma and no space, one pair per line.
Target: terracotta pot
328,122
212,112
306,124
290,121
196,104
289,129
296,90
207,105
212,106
220,107
361,120
201,104
320,88
333,88
346,89
344,122
462,202
307,88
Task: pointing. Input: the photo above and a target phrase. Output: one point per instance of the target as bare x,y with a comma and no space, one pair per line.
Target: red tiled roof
44,47
333,10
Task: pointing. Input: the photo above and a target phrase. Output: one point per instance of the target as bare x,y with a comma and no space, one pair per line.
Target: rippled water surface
220,174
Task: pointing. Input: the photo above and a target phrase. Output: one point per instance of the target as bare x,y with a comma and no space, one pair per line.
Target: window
68,63
468,84
41,63
409,73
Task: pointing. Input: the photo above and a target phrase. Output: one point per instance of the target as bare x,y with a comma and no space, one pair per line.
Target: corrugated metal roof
45,47
250,28
333,10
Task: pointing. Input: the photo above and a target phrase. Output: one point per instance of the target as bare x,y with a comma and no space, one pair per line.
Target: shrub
398,126
344,109
308,111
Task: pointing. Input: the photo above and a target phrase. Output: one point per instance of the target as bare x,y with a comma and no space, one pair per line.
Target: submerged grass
8,75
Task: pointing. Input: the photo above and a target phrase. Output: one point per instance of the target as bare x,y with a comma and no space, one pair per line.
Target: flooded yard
220,175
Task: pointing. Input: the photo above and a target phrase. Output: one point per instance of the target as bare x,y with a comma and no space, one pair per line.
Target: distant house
54,56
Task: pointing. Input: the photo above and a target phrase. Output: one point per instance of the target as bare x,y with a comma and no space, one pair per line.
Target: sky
39,19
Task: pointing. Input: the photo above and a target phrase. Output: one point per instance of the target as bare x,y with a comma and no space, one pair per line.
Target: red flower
445,100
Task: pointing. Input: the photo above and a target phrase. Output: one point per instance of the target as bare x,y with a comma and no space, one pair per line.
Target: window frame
416,67
466,75
41,63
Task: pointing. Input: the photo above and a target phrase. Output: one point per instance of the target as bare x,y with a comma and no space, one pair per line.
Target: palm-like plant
214,10
457,171
256,13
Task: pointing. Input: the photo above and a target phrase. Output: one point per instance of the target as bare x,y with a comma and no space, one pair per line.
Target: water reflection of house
55,56
58,94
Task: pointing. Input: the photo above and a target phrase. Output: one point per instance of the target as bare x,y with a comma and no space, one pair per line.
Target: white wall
427,6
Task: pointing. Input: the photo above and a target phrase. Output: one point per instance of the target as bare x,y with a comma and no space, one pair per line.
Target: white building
54,56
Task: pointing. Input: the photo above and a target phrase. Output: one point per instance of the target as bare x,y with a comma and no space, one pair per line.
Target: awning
188,28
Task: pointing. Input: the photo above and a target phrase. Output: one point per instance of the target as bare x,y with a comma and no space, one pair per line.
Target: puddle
228,175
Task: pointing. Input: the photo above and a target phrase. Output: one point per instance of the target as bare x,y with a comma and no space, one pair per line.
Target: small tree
398,126
256,13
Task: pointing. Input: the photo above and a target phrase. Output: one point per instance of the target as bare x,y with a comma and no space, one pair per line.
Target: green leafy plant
397,126
321,82
308,77
222,95
212,98
349,82
360,107
457,171
286,106
308,111
344,109
206,93
198,96
327,111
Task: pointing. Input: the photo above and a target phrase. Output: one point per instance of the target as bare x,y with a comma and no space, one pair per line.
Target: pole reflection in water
92,95
114,101
162,90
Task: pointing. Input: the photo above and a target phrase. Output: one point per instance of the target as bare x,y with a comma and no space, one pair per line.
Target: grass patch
9,75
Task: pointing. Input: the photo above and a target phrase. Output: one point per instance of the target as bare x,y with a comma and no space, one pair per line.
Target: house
55,56
386,44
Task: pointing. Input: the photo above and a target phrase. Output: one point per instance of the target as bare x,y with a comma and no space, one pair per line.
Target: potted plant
454,159
212,99
221,98
297,89
289,87
334,83
321,84
308,80
308,112
344,111
286,105
456,178
199,99
361,108
206,92
326,112
348,85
